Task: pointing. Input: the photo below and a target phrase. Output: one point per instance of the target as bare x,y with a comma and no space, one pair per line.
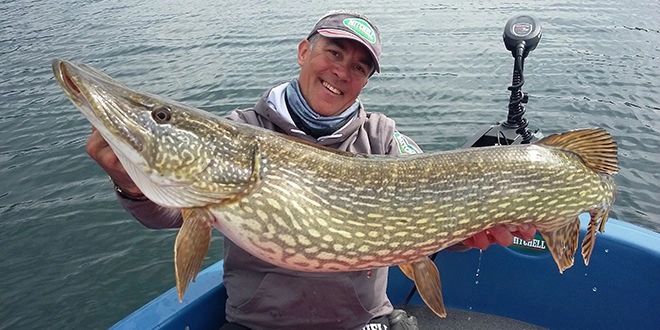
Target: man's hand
100,151
501,234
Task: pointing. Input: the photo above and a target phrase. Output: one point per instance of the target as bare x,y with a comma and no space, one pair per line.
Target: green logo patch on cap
362,28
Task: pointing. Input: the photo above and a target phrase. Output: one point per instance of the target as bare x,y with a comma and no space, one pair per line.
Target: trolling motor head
521,34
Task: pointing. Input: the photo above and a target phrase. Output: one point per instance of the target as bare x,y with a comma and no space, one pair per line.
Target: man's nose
342,69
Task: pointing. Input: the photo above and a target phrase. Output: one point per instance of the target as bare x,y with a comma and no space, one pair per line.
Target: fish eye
161,114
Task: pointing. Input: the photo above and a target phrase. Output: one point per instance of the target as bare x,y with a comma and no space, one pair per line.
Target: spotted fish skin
340,212
308,208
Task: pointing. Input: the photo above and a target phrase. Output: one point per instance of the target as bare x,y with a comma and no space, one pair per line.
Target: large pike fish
308,208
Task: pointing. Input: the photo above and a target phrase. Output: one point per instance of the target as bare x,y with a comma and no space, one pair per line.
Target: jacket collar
285,126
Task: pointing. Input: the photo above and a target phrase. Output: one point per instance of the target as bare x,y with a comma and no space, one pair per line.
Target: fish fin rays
191,246
562,243
603,219
427,280
588,241
407,269
594,146
598,219
598,151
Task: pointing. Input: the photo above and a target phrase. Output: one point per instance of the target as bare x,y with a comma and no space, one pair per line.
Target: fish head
179,156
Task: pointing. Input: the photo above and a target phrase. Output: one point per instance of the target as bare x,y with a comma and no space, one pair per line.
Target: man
336,61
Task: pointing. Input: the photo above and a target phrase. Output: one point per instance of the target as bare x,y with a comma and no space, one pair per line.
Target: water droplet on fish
594,289
607,250
476,282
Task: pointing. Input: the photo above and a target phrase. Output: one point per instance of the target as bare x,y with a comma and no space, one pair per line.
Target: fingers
498,234
96,145
99,149
479,241
526,232
501,234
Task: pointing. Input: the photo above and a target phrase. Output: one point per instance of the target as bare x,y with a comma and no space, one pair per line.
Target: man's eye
361,70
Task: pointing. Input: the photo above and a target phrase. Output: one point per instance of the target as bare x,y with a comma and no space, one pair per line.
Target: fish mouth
124,119
63,77
66,78
84,86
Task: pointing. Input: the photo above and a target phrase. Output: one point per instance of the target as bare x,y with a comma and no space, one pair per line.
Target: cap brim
334,33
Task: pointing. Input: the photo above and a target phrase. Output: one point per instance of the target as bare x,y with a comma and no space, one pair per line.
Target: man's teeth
332,89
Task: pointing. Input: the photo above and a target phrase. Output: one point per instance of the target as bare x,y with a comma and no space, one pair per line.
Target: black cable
515,117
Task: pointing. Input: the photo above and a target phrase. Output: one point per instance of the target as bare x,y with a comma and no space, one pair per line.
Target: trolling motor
521,35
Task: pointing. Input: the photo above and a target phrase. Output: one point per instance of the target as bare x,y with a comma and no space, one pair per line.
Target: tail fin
594,146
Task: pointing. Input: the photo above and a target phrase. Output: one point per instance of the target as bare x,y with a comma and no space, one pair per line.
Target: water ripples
72,252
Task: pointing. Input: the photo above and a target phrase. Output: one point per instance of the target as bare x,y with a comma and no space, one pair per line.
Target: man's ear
303,51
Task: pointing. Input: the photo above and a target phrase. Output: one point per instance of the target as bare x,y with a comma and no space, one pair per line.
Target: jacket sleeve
154,216
402,145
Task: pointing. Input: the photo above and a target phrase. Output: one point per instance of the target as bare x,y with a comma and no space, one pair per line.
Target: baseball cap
351,26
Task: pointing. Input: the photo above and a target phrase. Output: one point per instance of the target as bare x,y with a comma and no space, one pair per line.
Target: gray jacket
263,296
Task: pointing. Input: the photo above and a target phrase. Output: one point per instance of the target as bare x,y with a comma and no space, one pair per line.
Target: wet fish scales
309,208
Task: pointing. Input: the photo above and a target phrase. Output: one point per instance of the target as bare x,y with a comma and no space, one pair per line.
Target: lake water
70,257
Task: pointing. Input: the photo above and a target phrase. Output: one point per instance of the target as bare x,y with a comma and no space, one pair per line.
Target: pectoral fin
427,280
191,246
562,243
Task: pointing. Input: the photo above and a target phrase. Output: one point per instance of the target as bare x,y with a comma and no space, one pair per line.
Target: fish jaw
172,151
96,96
81,86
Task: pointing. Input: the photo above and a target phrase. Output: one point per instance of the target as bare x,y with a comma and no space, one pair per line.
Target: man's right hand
100,151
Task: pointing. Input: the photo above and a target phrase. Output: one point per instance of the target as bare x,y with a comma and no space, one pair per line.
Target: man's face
332,73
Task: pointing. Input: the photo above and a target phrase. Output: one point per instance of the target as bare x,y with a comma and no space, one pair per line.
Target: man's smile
332,88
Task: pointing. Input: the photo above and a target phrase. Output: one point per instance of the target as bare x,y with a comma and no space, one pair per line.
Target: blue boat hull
619,289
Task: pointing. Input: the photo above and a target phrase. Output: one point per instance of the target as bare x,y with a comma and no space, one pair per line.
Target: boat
493,288
515,287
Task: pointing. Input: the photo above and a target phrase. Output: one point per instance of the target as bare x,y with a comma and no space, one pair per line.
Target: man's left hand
501,234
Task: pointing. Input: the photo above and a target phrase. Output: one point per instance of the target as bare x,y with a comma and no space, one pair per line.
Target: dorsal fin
594,146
